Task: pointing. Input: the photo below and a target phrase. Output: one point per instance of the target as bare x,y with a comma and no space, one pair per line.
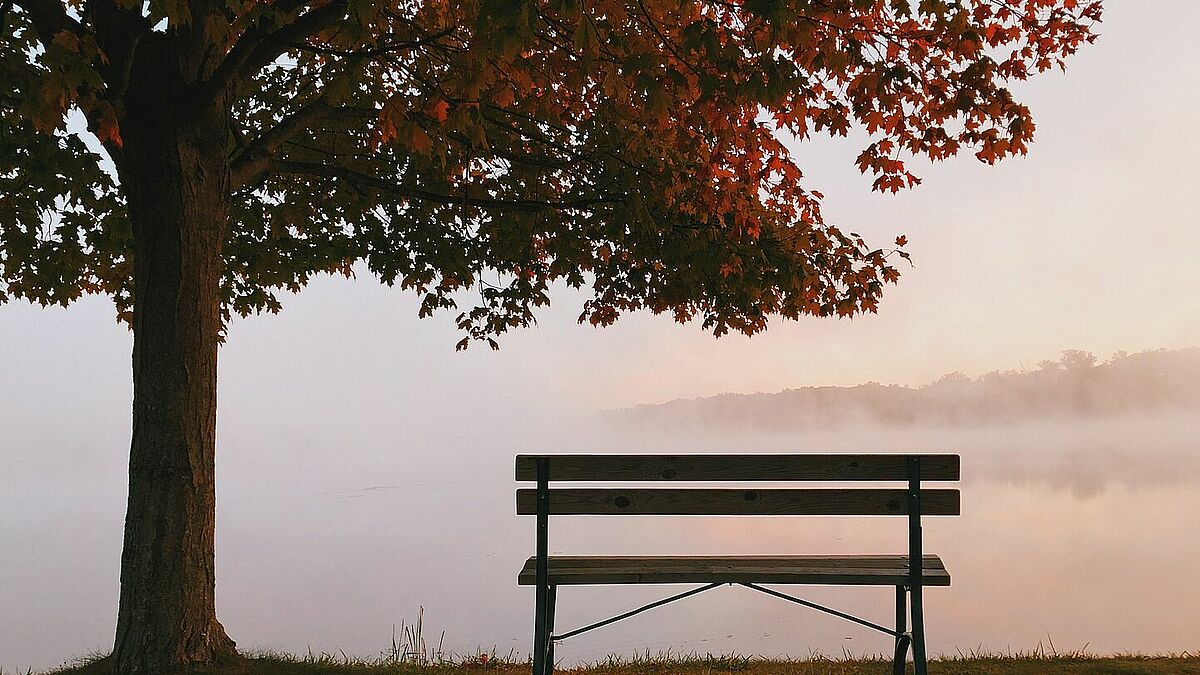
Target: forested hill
1077,385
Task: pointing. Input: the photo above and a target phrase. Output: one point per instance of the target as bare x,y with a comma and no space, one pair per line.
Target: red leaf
438,109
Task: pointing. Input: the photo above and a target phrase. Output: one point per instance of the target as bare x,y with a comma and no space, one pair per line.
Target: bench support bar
820,608
639,610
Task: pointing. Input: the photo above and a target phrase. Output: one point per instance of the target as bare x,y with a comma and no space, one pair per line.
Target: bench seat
839,570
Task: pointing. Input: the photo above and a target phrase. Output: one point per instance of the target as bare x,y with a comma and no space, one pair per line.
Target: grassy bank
1019,664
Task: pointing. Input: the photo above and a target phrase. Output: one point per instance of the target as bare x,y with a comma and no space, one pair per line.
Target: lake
1075,533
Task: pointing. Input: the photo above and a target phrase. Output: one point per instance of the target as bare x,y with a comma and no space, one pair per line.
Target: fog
1075,387
365,469
355,489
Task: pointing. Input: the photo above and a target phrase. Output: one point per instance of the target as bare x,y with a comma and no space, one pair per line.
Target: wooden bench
547,573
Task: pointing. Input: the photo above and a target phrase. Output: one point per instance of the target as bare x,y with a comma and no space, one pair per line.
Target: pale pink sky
1087,243
1090,243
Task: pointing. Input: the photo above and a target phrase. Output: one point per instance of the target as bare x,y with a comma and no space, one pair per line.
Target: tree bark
174,172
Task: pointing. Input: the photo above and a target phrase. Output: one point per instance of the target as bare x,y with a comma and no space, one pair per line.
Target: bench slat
666,501
736,467
797,560
829,570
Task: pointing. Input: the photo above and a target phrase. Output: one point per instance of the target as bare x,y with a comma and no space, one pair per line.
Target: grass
1030,663
410,655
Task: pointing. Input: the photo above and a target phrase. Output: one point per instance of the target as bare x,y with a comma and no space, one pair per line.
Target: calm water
1082,533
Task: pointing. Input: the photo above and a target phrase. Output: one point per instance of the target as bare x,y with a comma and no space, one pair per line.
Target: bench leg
551,597
918,633
536,650
543,629
899,660
902,639
916,565
543,593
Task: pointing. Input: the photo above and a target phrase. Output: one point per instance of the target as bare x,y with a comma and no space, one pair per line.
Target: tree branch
5,8
49,18
118,32
370,52
406,192
276,44
258,47
253,160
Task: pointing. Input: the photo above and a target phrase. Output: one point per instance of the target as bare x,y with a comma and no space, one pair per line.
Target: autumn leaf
419,141
105,125
438,109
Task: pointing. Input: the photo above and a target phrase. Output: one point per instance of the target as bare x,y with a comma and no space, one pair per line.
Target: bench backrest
908,501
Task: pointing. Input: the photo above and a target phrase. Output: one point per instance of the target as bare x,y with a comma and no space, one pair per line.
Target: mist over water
1080,531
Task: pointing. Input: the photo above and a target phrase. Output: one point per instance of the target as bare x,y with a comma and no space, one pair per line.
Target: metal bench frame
909,596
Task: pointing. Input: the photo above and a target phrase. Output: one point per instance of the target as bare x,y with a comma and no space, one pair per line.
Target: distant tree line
1077,385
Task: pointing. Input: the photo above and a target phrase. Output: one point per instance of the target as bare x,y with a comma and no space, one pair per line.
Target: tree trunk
175,175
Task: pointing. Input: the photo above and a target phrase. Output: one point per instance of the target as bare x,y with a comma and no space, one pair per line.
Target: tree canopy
477,151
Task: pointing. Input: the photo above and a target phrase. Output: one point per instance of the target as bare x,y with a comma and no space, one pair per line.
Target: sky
1088,243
